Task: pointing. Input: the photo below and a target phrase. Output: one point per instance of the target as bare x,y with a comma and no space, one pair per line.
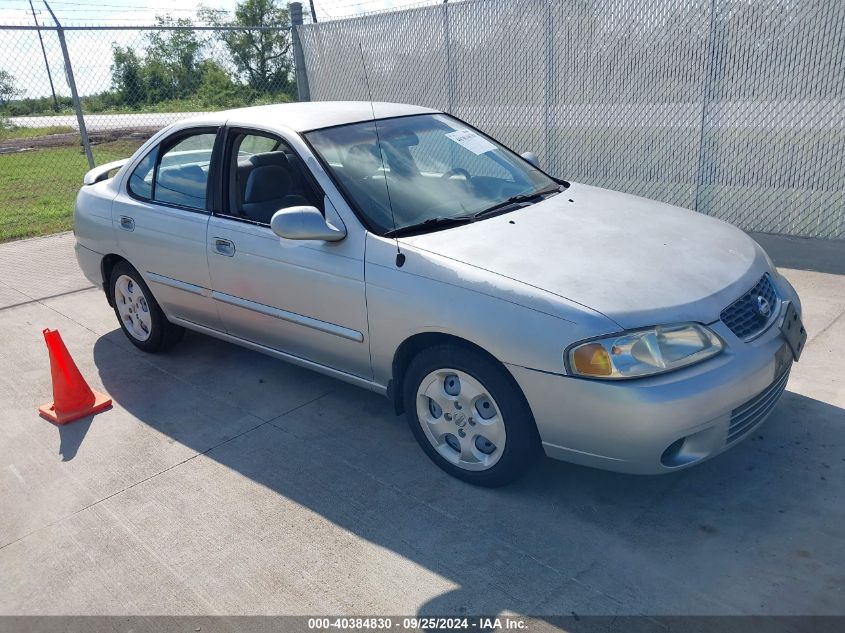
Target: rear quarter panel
92,222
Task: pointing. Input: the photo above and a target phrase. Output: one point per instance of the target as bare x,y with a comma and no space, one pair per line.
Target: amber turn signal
592,360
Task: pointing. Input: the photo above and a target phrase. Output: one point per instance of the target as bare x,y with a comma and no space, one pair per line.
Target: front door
161,218
304,298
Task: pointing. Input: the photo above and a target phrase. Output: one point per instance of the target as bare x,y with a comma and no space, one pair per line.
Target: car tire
138,313
464,384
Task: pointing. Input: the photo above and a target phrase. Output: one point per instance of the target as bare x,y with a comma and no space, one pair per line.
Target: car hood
637,261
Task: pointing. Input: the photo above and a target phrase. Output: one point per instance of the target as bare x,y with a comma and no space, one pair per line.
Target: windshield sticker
472,141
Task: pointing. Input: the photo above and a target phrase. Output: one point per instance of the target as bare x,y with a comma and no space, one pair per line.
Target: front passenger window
182,175
267,175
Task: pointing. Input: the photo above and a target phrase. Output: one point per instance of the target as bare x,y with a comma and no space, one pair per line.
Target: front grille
743,317
746,417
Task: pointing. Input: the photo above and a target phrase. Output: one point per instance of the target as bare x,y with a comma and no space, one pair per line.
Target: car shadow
562,540
804,253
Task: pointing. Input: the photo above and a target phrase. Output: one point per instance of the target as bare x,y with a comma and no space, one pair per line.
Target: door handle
224,247
127,223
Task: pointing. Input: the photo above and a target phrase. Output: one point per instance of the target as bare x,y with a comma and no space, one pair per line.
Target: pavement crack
826,328
40,299
164,470
136,483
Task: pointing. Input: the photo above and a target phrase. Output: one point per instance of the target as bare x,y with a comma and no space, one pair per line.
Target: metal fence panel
773,138
735,108
627,80
378,50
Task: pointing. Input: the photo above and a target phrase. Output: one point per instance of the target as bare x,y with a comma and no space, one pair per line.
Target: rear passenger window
182,174
141,180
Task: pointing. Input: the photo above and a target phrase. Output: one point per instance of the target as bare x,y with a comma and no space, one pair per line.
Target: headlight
643,352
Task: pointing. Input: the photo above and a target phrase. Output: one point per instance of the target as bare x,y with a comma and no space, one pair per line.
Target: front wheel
139,314
469,416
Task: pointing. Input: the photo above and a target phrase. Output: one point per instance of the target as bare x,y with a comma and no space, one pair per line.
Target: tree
170,68
127,76
159,82
217,88
176,55
8,89
262,57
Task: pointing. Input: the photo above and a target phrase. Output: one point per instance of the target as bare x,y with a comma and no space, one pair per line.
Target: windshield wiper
444,221
430,224
521,198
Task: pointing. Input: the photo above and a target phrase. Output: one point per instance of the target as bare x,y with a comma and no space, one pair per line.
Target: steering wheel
457,171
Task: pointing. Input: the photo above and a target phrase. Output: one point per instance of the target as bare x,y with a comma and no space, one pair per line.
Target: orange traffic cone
72,397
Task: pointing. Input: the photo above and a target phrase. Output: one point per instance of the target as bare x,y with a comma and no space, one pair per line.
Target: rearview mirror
531,157
304,223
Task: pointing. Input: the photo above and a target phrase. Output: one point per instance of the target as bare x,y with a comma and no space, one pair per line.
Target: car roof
309,115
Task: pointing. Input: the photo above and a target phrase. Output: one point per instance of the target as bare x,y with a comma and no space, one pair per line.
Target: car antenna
400,256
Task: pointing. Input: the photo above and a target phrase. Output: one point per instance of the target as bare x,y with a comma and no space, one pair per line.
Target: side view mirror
304,223
531,157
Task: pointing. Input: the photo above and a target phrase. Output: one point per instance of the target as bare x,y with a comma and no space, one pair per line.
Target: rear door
161,219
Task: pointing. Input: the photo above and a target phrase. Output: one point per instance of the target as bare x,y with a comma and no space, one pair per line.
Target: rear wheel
138,313
469,416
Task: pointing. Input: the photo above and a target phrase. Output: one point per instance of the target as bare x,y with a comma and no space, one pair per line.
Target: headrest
182,185
362,161
402,138
187,173
267,183
368,150
269,158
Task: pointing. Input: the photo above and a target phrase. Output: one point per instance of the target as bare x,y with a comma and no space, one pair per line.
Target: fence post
302,89
550,158
706,103
450,73
77,106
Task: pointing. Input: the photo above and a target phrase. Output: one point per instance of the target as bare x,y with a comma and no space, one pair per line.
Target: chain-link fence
735,108
41,160
130,82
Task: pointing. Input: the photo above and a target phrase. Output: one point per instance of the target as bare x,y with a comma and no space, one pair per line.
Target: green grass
38,188
8,133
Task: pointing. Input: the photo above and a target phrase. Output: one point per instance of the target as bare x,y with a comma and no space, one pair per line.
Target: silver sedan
506,311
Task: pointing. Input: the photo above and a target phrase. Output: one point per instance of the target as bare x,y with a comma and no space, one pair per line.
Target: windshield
430,166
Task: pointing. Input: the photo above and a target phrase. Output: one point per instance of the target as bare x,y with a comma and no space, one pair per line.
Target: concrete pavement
226,482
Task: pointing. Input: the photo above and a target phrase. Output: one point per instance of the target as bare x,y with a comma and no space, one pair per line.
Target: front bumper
665,423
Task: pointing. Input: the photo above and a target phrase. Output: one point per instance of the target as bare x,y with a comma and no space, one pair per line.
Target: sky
90,51
139,11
